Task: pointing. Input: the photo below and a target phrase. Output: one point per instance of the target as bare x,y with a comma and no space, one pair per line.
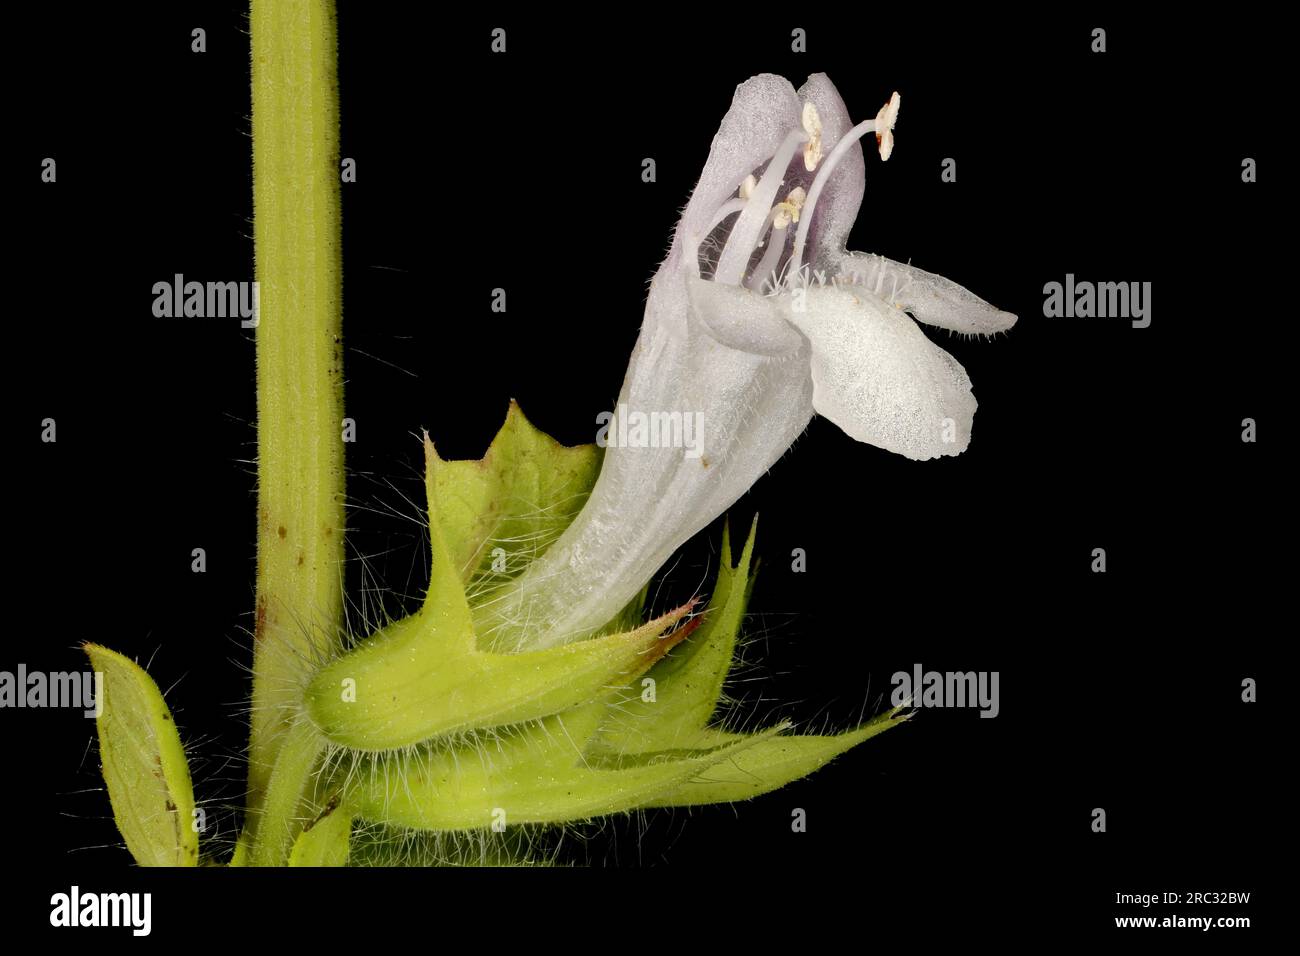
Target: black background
1118,690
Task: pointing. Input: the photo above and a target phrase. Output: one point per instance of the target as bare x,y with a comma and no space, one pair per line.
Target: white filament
823,174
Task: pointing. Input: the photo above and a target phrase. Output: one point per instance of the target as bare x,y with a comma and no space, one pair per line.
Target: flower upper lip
771,126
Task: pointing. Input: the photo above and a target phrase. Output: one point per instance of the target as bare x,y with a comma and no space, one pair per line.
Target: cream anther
885,121
787,211
812,125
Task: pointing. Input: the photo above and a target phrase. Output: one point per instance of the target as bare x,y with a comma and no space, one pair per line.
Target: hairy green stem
288,788
299,366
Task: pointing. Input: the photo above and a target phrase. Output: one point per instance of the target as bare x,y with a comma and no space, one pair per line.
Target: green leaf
326,841
770,763
144,765
519,497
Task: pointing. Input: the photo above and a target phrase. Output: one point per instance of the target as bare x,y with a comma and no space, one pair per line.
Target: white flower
755,329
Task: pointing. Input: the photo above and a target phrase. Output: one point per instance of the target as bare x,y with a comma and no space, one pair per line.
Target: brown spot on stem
282,532
329,808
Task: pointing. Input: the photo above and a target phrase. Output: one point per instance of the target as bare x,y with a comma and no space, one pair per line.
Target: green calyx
554,744
417,729
425,677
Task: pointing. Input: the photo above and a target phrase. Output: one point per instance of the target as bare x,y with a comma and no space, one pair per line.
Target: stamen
782,214
883,126
812,125
747,187
766,269
786,212
885,121
748,229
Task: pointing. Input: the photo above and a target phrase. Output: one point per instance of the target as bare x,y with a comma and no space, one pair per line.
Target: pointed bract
519,497
534,775
688,682
771,763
